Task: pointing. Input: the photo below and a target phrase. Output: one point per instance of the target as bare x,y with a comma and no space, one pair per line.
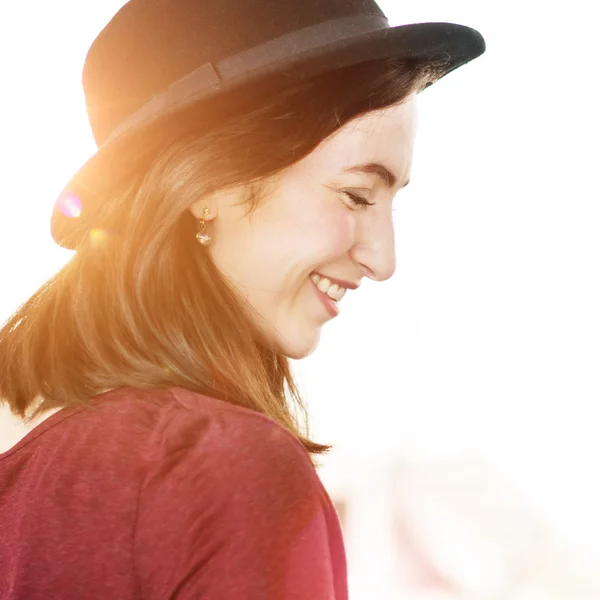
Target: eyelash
358,200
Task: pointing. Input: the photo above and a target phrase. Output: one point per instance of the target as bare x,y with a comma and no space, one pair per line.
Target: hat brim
74,211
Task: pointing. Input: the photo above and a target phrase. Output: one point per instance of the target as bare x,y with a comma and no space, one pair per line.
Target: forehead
385,136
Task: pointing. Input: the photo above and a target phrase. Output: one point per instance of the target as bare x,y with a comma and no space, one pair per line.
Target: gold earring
202,237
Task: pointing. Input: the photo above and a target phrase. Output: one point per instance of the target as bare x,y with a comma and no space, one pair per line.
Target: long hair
141,304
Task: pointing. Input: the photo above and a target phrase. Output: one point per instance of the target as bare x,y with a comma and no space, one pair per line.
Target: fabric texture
165,495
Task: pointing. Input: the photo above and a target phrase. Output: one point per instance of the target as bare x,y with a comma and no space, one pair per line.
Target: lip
341,282
332,308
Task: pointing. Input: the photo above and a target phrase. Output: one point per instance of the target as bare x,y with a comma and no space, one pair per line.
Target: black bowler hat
158,57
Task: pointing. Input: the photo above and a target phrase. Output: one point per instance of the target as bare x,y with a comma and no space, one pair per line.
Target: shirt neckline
47,424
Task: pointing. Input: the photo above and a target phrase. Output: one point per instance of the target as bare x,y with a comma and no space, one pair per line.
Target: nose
375,248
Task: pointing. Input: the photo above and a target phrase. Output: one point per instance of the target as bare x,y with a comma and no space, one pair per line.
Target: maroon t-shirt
165,495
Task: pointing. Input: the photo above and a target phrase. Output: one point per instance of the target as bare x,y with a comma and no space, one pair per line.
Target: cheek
334,233
321,224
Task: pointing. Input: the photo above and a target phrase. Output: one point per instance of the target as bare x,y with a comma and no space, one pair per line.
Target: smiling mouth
330,304
325,285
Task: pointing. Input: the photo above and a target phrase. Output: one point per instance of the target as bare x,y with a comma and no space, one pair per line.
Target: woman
248,157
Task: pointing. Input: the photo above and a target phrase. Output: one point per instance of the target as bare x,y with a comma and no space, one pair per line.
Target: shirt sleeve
239,515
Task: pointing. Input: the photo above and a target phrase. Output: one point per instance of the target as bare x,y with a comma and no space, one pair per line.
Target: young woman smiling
249,154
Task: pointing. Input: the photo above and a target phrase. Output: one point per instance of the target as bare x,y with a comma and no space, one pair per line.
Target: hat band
210,75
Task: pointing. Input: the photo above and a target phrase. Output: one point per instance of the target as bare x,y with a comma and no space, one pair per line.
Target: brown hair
142,305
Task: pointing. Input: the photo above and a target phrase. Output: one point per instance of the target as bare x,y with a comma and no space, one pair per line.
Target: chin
298,347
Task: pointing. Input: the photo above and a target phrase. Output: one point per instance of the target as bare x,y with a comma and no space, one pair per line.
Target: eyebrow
378,169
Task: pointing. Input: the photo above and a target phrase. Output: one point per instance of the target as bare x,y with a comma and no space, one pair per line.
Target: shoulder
153,427
178,426
235,504
235,441
211,462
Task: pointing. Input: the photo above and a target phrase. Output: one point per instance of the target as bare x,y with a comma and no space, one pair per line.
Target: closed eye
357,199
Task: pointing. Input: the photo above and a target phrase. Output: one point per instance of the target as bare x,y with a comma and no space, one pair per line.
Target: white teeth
334,291
324,285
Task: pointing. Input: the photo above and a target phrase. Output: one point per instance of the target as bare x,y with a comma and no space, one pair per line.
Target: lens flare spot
70,205
98,236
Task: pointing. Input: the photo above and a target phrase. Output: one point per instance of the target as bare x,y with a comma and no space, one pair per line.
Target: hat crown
150,44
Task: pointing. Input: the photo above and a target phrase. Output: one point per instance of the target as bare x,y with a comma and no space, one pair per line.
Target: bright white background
486,343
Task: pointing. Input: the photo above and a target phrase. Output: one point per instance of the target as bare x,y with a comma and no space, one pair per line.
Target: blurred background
461,395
